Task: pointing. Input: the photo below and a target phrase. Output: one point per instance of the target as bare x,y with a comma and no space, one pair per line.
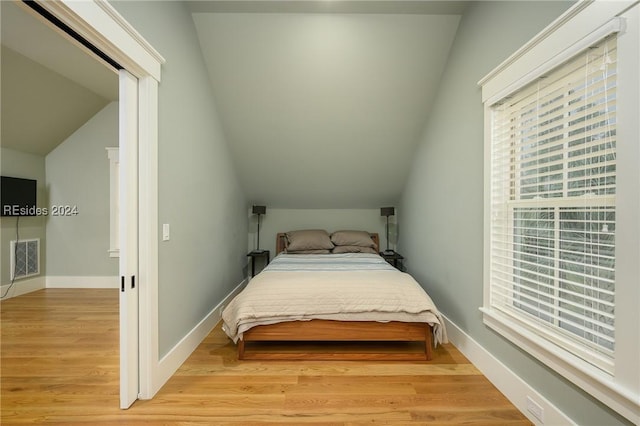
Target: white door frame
100,24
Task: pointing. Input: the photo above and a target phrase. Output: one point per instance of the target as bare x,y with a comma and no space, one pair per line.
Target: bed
321,295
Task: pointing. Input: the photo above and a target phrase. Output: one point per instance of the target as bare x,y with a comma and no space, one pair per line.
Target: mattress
340,287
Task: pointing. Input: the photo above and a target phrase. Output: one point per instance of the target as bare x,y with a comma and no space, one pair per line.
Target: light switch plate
165,232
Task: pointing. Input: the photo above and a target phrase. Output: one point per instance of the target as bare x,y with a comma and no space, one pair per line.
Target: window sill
589,378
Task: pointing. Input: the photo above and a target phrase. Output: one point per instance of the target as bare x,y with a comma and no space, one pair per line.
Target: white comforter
344,287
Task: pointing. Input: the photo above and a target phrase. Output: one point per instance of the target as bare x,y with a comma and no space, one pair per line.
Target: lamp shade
259,209
387,211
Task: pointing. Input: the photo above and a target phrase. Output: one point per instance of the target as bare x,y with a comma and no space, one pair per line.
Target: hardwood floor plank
195,381
399,402
436,380
314,368
356,387
493,416
59,365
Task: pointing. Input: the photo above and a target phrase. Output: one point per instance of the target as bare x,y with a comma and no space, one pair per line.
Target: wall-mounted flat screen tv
18,196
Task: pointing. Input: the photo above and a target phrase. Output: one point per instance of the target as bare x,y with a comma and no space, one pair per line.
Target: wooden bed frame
335,331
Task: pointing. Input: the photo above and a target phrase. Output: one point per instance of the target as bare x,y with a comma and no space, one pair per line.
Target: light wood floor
59,354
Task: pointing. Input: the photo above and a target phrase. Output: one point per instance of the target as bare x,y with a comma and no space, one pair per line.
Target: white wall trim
185,347
103,26
132,33
23,286
550,29
58,281
568,30
508,382
148,236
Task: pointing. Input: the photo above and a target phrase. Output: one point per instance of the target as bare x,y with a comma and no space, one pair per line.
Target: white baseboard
81,282
22,286
181,351
508,382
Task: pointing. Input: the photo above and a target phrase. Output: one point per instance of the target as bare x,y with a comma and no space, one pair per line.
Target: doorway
103,28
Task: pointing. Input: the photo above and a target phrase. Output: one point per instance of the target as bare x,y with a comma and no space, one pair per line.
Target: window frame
582,25
532,183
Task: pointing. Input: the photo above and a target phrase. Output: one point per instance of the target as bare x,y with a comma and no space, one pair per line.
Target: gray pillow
352,238
308,239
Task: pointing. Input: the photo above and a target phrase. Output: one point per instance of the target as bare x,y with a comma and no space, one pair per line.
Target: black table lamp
259,210
387,211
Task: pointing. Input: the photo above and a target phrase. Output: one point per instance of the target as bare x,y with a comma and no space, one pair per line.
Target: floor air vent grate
25,258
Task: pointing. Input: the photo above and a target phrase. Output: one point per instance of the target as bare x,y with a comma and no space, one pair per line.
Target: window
562,200
553,150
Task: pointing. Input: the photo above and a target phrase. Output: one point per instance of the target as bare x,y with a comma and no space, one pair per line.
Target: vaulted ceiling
322,102
50,87
324,109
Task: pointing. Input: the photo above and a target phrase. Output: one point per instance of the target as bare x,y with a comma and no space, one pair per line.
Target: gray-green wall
442,203
199,193
77,175
29,166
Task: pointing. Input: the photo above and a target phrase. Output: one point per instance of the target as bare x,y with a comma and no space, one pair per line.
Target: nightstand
394,258
264,254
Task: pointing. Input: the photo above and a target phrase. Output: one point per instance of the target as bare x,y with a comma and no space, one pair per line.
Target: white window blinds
553,218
